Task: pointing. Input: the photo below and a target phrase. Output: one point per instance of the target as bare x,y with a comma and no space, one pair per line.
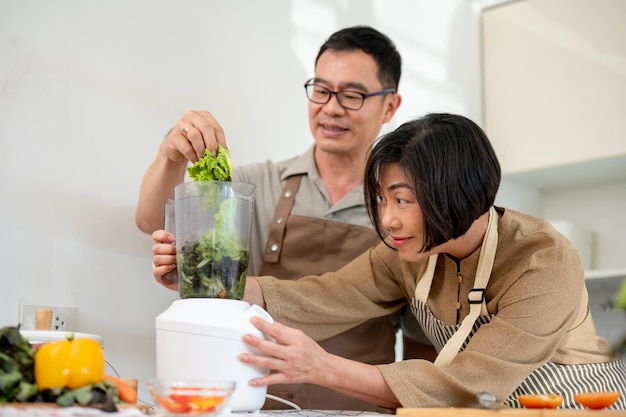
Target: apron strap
476,296
287,199
423,285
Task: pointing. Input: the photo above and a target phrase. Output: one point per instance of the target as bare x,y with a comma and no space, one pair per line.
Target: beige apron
448,340
299,246
549,378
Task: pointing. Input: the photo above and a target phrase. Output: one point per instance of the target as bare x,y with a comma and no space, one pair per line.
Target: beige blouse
536,293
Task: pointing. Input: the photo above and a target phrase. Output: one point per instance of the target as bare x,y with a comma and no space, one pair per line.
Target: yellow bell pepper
69,363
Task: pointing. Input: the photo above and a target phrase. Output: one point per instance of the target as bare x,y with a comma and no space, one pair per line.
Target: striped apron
547,379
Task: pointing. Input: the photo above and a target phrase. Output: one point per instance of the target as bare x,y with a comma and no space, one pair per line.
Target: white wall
89,88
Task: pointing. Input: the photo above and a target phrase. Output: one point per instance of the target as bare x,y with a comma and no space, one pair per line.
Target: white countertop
22,411
314,413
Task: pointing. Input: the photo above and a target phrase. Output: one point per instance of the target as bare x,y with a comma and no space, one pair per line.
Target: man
310,216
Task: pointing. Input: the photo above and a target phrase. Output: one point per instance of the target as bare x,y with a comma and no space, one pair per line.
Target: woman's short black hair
451,166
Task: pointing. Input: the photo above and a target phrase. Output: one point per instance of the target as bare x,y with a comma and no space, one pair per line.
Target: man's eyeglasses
348,99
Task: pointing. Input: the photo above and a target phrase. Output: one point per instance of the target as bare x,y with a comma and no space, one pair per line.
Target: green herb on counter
17,366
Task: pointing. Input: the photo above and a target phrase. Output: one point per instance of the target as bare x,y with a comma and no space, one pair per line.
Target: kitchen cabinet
554,80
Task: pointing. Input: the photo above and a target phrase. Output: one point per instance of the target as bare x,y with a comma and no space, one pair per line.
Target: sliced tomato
173,406
540,400
206,403
597,400
192,404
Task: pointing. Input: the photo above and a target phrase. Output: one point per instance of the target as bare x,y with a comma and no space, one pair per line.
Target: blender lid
221,318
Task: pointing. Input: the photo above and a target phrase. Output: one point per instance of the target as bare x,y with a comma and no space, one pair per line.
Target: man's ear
392,103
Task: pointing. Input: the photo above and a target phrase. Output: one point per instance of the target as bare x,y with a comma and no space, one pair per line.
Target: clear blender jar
213,225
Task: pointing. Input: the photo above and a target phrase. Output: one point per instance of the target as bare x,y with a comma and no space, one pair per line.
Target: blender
200,335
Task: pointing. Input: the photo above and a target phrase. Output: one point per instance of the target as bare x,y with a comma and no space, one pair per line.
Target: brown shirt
536,295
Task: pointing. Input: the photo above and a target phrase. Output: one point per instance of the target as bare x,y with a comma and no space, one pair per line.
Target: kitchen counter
319,413
447,412
24,410
11,411
505,412
33,410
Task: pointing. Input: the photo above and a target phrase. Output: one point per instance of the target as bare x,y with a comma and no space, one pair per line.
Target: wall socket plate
64,318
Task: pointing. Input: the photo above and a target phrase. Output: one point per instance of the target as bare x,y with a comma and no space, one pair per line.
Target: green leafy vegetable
17,372
225,232
215,266
212,167
102,395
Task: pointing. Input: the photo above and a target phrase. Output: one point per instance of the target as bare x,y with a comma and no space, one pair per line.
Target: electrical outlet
64,318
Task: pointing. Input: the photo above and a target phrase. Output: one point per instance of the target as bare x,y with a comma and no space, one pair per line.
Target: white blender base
201,338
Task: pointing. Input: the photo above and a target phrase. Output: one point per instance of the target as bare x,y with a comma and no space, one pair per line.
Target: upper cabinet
555,89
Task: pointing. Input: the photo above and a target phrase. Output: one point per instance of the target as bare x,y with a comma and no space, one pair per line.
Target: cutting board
507,412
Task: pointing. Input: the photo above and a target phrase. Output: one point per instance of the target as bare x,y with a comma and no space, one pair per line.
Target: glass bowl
182,397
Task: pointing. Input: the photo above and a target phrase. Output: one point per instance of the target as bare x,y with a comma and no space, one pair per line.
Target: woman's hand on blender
164,258
296,358
293,357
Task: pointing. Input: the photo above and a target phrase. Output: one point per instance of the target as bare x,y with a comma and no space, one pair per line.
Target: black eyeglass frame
310,83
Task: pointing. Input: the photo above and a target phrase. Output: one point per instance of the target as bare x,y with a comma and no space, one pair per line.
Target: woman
500,294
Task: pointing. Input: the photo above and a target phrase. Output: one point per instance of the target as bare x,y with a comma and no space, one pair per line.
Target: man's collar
304,164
